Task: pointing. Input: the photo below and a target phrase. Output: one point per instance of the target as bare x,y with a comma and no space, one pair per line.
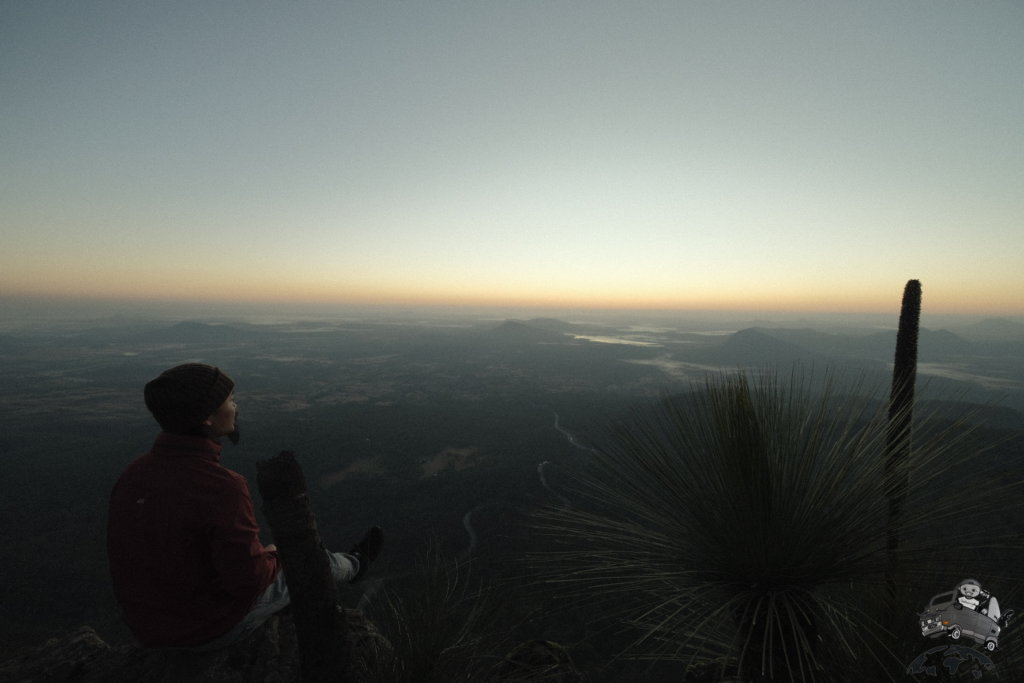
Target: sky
696,155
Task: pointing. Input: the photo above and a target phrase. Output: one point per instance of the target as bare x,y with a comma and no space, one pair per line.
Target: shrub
742,528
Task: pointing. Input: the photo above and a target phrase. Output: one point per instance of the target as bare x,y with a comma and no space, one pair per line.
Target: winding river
467,519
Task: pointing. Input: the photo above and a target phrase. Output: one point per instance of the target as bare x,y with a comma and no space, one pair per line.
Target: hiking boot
367,550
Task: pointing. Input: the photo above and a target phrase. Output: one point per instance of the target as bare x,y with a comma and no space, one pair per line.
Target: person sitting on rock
186,561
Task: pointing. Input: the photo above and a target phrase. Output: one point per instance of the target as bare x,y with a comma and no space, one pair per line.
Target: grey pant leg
273,599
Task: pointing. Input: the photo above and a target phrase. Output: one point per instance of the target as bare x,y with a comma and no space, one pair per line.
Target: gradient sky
727,155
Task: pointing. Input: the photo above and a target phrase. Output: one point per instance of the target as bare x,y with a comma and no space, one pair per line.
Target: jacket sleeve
244,566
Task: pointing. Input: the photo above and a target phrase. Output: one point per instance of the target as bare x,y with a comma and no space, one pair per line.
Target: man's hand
270,547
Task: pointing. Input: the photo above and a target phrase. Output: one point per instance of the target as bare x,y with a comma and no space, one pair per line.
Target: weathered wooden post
319,624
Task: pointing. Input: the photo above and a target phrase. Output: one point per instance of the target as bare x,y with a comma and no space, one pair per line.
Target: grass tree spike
898,434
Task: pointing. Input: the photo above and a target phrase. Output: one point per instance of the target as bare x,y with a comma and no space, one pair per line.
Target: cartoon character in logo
973,596
968,593
966,611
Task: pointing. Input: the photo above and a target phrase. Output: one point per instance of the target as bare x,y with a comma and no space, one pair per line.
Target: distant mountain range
978,363
758,345
879,346
993,329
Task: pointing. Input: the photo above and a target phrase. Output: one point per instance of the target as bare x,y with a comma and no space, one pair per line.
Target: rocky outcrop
270,655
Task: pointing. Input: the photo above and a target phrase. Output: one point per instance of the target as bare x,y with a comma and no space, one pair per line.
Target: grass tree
742,528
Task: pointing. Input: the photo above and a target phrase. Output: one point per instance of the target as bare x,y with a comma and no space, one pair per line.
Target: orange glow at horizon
232,289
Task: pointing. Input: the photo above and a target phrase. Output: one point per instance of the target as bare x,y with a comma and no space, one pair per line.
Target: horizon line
28,299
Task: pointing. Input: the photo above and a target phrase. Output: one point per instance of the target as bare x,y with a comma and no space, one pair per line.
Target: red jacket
183,543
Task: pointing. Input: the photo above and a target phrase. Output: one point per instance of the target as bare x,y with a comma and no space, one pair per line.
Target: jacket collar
186,445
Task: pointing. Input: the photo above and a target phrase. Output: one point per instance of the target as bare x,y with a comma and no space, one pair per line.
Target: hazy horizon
16,311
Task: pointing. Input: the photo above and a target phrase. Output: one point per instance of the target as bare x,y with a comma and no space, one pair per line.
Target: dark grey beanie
182,397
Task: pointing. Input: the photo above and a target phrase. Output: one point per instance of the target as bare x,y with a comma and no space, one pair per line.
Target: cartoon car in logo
944,615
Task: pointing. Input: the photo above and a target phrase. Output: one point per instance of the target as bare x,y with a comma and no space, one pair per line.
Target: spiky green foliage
436,626
744,527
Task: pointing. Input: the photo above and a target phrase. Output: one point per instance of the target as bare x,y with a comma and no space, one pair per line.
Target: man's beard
234,436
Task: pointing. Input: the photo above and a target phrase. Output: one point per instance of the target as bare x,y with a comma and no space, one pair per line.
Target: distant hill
993,329
874,346
518,332
552,325
877,346
944,342
753,347
556,325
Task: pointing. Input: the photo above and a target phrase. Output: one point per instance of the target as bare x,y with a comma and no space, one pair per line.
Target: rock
269,655
59,659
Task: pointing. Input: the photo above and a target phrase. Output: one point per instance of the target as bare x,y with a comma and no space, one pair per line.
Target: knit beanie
182,397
